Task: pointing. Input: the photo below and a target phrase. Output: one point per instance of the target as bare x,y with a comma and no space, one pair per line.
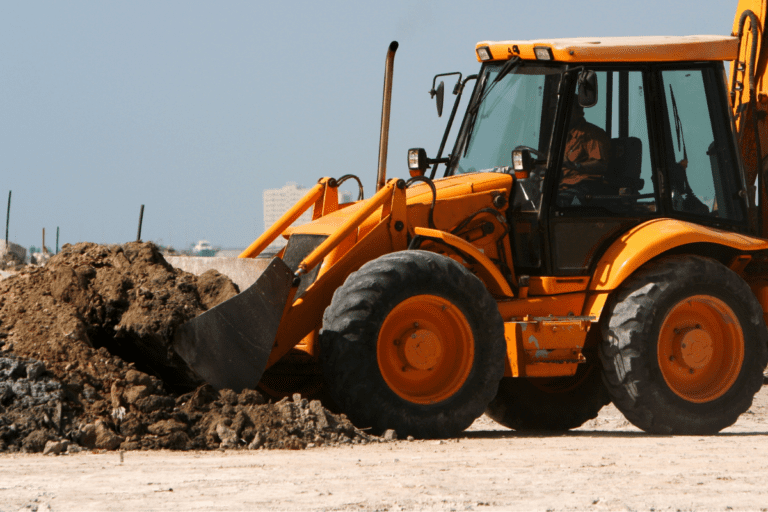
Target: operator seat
626,165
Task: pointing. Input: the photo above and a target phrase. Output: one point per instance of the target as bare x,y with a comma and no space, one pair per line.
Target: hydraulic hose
431,186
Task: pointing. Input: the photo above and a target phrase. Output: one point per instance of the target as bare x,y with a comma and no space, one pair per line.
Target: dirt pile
93,328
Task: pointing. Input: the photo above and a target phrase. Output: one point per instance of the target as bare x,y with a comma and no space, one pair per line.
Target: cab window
701,171
606,167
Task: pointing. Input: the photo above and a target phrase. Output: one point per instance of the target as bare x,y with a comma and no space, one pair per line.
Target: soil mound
85,360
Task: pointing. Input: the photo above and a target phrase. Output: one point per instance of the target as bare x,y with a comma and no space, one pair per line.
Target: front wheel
413,342
684,347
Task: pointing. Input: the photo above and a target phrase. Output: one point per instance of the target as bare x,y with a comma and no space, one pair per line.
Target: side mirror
587,89
439,94
417,161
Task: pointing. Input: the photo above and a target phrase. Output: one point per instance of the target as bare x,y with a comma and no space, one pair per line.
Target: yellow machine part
650,239
537,346
545,347
750,106
362,232
618,49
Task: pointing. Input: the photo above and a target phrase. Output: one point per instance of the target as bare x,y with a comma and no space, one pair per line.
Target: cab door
612,144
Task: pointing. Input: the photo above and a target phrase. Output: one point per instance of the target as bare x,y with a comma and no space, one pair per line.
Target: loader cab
656,143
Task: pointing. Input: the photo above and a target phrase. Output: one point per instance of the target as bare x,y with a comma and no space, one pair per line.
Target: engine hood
450,191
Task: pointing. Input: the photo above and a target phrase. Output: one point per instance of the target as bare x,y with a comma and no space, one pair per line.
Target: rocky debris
10,261
85,361
39,258
390,435
12,256
55,447
31,405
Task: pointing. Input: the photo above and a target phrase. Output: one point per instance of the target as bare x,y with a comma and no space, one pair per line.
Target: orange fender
650,239
489,273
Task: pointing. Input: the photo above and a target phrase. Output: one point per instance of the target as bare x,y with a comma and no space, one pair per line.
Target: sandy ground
606,465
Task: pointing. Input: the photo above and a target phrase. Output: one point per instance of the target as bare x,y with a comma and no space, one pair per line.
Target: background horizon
195,108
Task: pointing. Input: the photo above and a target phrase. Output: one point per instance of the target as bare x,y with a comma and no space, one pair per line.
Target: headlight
417,159
517,160
522,161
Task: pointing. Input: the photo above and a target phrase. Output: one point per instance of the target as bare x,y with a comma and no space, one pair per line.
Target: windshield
516,111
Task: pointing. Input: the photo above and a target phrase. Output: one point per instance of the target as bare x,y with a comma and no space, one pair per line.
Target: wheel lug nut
677,331
671,358
683,345
691,371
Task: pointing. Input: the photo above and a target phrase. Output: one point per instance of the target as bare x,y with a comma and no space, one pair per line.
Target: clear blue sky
194,108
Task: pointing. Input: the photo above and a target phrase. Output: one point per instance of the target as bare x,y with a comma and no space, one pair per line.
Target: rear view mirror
439,93
587,89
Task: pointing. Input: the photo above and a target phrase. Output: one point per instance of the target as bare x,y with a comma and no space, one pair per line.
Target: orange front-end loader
598,234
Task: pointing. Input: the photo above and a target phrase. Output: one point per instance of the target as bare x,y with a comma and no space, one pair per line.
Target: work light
543,52
484,53
417,160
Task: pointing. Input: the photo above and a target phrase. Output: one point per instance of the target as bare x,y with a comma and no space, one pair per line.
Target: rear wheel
684,347
556,403
413,342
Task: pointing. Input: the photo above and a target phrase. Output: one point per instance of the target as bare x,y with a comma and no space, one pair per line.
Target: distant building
278,201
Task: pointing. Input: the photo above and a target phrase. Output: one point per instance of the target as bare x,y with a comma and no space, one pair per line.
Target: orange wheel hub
701,348
425,349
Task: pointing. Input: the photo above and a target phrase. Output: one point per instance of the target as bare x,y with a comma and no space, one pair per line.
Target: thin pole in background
8,217
141,218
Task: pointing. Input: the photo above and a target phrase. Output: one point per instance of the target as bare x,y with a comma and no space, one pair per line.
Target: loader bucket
229,345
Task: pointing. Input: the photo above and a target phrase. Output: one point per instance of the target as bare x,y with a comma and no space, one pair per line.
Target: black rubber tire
631,326
555,404
348,344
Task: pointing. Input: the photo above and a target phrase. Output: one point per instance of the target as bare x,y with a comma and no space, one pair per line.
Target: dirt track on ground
606,465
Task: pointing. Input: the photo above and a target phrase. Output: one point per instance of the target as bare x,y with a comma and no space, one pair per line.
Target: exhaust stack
381,176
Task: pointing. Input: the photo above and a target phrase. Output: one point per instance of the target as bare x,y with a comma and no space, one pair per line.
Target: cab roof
617,49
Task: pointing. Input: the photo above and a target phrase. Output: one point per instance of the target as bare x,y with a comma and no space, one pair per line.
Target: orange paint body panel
650,239
620,49
557,305
548,285
306,313
545,348
490,273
